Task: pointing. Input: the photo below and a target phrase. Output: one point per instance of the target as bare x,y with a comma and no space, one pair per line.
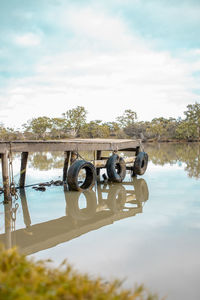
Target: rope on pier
78,154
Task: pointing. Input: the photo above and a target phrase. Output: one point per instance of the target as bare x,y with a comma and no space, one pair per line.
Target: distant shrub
24,279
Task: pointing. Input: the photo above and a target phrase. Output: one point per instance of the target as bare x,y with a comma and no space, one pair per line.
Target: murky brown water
145,230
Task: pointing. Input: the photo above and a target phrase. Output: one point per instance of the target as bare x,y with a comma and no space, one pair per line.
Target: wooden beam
5,176
102,163
71,145
99,163
24,159
66,164
98,158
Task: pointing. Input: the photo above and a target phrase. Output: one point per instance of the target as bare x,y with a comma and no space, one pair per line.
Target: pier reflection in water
83,213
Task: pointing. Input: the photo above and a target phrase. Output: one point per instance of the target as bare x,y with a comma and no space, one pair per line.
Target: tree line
73,123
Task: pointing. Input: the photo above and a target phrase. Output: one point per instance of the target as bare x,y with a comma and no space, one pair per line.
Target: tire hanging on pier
116,168
73,173
140,164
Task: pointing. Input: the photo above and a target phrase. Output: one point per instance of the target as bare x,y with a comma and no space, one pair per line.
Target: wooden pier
70,145
70,148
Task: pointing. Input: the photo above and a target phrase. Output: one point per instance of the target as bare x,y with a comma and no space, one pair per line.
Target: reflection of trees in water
163,153
52,160
159,154
46,160
193,167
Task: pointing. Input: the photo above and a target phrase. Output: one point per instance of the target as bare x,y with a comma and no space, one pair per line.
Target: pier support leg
24,158
26,215
98,158
137,151
7,222
5,176
66,164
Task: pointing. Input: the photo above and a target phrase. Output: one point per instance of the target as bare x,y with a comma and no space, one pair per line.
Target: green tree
193,118
158,127
38,126
114,128
136,130
171,126
75,118
184,130
95,129
8,134
58,128
127,119
4,135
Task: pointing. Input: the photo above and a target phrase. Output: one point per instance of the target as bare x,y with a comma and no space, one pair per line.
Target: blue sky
105,55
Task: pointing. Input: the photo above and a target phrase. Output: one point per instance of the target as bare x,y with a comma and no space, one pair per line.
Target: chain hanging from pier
13,191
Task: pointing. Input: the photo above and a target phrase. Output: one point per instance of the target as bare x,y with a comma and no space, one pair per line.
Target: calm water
145,230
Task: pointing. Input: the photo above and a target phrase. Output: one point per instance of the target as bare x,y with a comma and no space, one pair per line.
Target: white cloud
108,71
98,27
28,40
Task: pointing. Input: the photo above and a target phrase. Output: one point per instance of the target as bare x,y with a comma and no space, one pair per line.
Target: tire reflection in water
74,209
85,211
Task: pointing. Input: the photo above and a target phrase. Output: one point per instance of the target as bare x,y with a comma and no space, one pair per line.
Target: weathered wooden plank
24,159
99,163
102,163
70,145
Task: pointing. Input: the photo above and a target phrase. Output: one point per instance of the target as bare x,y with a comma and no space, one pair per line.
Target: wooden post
5,176
138,149
26,215
66,164
98,158
7,222
24,158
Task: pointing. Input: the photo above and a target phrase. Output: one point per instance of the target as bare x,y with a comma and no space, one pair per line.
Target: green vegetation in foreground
73,123
22,279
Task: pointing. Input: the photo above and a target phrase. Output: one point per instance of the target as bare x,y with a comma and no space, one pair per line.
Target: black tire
72,176
140,164
116,197
141,190
73,205
116,168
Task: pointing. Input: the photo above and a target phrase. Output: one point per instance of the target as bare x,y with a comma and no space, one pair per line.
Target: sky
105,55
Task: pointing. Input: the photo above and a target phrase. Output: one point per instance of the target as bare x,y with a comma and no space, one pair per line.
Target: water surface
145,230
